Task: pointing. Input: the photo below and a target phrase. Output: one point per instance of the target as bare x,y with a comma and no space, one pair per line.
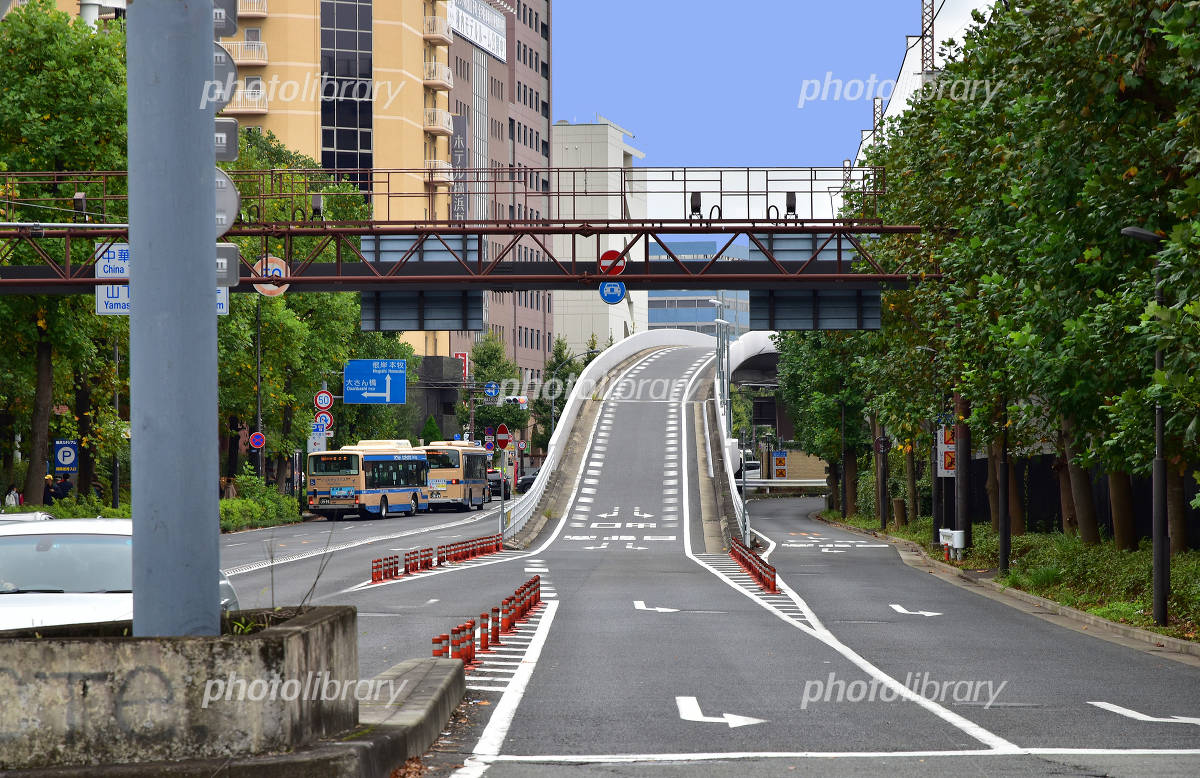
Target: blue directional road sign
491,389
612,292
66,456
374,382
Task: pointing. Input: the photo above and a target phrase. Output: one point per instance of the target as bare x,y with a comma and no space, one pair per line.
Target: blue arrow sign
612,292
374,381
491,389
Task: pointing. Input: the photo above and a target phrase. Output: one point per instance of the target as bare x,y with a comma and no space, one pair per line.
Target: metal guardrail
759,483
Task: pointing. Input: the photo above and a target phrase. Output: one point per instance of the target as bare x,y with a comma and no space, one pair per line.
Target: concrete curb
386,737
1152,639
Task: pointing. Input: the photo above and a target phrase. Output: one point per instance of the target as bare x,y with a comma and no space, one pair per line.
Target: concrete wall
69,699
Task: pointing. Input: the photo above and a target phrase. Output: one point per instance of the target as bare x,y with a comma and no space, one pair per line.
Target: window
253,34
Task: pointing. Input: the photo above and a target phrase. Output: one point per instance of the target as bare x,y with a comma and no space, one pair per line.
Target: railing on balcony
438,171
252,8
438,76
438,122
247,52
247,101
437,30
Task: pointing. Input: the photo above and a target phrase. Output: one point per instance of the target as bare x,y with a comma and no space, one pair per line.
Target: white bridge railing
523,507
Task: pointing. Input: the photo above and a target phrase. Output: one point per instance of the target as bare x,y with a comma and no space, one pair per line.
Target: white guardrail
524,506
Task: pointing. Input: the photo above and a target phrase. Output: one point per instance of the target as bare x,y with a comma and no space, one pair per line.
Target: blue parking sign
66,456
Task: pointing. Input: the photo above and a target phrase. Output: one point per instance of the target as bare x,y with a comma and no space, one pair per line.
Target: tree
560,372
431,432
63,109
491,364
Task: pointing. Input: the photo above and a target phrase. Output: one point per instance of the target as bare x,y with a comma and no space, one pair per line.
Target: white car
70,571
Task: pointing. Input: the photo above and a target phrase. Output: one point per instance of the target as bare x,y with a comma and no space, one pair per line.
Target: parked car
71,571
526,480
494,482
13,518
753,469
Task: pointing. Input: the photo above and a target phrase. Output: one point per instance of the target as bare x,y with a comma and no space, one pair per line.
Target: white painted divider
749,345
604,363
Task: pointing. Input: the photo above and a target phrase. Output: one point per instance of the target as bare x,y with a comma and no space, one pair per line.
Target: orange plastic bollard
496,627
483,633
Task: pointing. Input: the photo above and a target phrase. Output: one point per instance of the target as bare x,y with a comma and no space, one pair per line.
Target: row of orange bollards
388,567
461,641
753,564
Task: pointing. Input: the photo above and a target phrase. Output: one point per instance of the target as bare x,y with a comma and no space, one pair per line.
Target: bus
373,478
459,469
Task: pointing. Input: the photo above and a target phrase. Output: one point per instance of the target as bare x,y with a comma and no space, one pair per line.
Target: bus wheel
415,506
383,506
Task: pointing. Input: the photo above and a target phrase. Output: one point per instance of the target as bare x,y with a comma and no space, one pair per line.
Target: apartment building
499,109
596,154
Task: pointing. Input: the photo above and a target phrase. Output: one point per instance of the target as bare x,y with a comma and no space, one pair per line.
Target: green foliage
560,374
431,432
257,505
491,364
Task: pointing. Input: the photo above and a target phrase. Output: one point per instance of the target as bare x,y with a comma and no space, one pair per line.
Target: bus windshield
333,464
440,459
380,475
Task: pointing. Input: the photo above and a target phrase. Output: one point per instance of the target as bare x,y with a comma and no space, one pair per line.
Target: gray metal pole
258,453
1002,497
173,321
1159,532
115,480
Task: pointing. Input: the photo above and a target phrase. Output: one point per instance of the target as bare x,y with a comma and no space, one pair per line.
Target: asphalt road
652,658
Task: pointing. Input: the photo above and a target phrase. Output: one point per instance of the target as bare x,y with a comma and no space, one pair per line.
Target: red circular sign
612,263
502,436
323,400
324,417
257,440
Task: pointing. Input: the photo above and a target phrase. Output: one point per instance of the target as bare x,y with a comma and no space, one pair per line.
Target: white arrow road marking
641,606
689,710
907,612
636,548
595,548
1133,714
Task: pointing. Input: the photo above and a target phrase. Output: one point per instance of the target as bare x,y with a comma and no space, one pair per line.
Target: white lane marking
1133,714
689,710
478,688
249,568
721,756
820,632
901,609
506,709
640,605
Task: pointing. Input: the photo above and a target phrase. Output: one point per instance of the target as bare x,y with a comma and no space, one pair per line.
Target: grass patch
1101,579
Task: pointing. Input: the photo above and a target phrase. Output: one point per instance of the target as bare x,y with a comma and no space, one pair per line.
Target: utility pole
173,328
258,455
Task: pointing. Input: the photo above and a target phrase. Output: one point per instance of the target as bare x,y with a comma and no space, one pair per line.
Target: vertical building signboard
459,161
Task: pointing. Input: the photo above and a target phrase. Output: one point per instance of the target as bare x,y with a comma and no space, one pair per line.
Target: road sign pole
173,332
258,380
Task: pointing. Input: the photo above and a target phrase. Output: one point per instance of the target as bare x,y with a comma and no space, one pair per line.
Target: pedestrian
64,486
12,498
48,493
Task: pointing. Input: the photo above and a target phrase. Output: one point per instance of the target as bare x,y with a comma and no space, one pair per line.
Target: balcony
437,31
250,53
438,171
247,102
437,76
252,9
438,122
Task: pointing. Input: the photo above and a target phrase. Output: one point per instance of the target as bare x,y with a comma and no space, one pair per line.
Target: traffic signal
519,400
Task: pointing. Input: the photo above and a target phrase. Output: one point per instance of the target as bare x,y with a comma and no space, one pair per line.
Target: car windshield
65,562
440,459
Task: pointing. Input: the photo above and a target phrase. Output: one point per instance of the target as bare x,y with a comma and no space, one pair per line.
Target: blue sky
714,82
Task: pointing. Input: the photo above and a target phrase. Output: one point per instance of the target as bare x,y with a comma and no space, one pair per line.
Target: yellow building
350,83
353,84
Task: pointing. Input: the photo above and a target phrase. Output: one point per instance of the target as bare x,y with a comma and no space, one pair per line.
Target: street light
723,341
1158,522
